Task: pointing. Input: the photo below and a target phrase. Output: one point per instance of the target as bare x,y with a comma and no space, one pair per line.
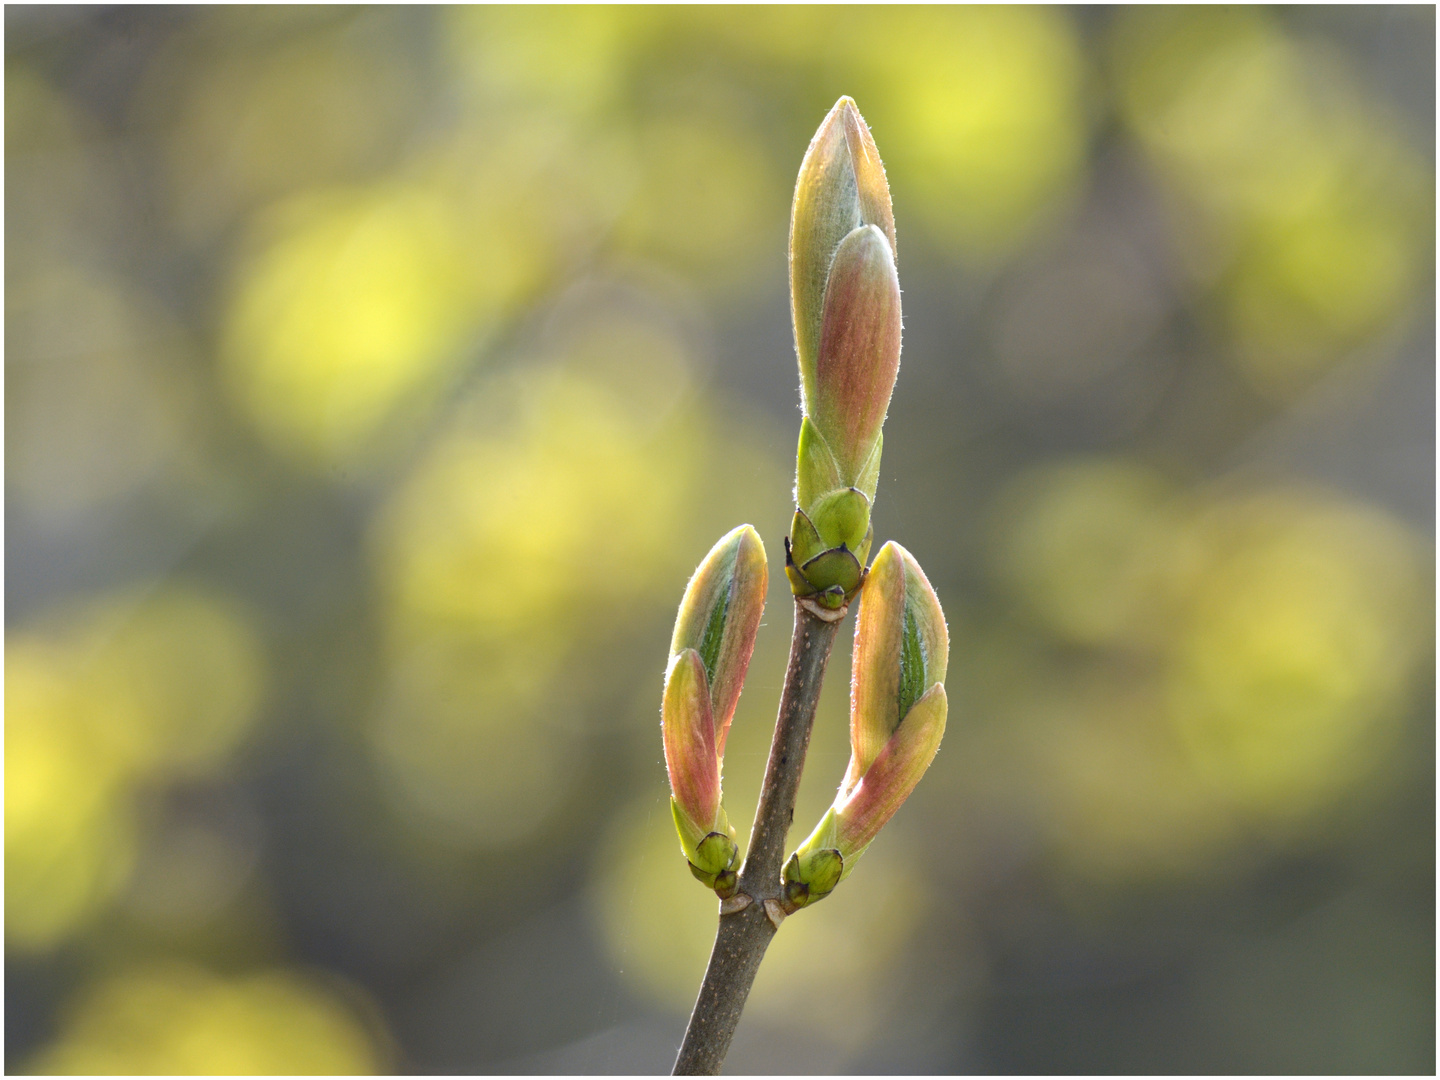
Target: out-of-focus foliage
144,686
552,496
981,113
1303,203
376,378
179,1020
111,406
1255,652
302,102
354,307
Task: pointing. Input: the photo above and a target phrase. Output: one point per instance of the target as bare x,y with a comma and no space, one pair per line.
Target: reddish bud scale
845,302
892,776
859,354
689,730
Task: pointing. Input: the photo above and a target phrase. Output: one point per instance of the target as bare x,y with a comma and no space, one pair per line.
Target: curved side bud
711,646
897,718
875,661
902,647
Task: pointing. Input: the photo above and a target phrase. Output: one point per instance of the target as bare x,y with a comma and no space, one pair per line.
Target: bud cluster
845,300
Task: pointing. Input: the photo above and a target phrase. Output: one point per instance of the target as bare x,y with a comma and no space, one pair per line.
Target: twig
744,935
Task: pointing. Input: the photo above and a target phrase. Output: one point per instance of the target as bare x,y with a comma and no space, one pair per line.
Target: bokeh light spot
1253,660
981,114
355,308
1299,200
657,922
1080,542
69,843
1293,668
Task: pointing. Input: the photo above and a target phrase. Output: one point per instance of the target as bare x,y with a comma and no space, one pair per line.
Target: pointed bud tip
843,112
890,556
740,535
871,184
750,549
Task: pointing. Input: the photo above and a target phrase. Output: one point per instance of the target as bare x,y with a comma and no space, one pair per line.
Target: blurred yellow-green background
375,378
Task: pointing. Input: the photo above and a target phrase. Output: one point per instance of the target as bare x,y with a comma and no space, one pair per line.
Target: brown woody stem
744,935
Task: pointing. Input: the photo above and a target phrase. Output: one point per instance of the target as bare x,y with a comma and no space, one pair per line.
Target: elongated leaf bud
709,653
845,301
897,719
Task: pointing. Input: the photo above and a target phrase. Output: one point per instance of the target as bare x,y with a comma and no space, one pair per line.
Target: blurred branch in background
347,348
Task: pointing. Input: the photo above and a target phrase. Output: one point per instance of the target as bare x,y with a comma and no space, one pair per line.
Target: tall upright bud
709,653
845,303
897,718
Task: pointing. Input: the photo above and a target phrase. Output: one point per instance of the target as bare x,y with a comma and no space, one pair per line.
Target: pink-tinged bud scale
872,190
859,353
875,661
892,776
689,730
902,648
